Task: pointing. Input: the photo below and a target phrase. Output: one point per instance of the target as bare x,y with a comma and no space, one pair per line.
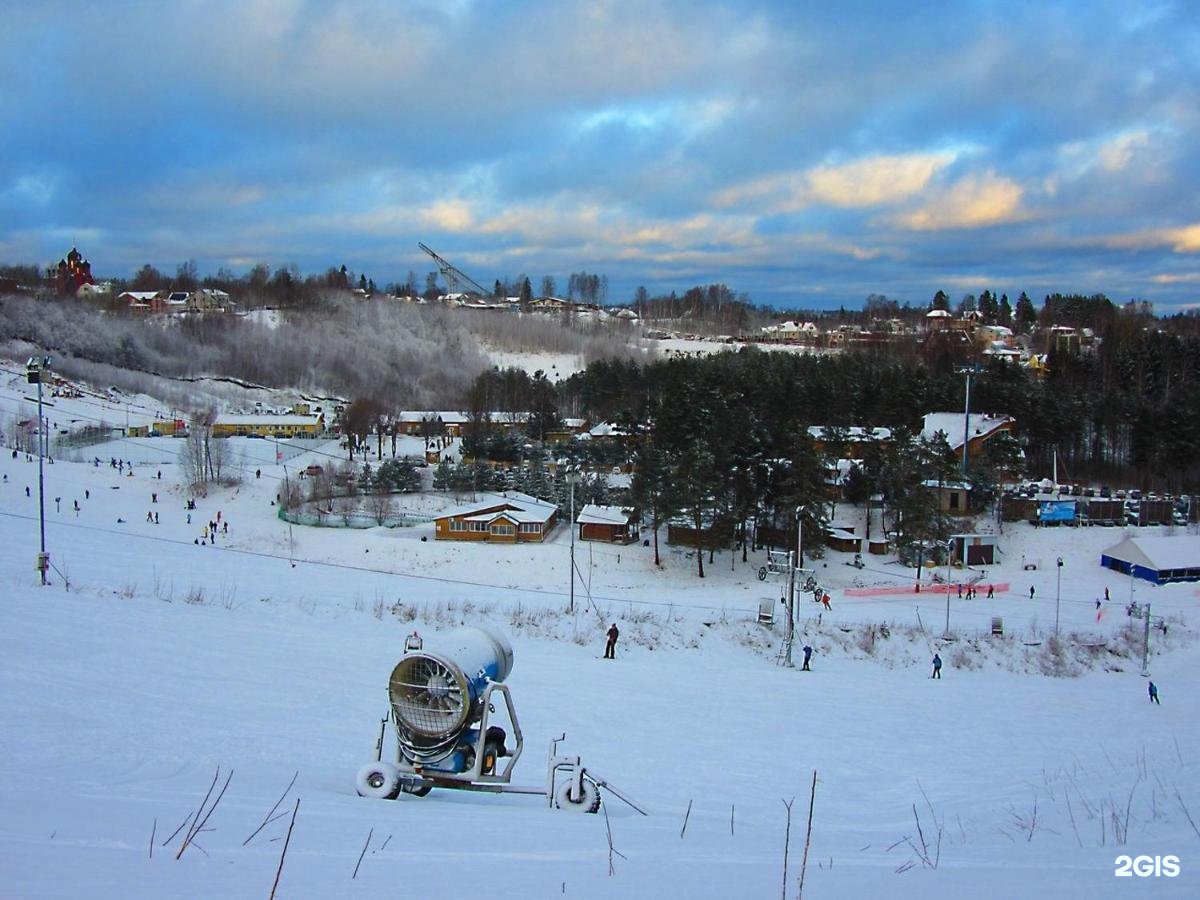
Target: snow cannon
436,693
456,727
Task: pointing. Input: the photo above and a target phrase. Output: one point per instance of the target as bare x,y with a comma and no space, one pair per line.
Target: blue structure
1055,511
1159,560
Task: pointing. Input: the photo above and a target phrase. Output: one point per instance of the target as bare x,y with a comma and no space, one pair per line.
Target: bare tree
347,506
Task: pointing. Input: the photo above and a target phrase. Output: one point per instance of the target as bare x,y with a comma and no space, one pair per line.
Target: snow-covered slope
266,654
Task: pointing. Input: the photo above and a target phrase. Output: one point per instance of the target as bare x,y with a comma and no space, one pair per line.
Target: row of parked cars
1102,505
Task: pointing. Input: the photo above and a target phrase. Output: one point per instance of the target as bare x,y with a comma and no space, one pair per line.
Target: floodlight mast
454,275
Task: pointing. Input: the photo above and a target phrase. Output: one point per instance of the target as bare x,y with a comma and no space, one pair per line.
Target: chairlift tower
969,371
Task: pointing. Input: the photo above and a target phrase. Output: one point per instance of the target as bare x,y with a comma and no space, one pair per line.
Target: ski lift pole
789,638
1146,643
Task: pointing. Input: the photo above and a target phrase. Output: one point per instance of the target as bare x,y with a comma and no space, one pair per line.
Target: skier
991,591
1105,594
960,590
149,516
825,601
1031,592
1154,693
610,646
808,651
156,518
937,666
225,527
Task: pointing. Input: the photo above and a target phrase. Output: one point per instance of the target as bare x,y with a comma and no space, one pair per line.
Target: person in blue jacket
1154,693
937,666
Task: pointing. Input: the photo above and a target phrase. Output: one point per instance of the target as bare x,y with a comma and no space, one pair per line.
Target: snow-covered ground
267,654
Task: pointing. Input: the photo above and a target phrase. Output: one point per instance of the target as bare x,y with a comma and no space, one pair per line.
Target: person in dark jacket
807,656
1154,693
937,666
610,647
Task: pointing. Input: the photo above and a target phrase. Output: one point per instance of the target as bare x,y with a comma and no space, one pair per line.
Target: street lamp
34,369
1057,594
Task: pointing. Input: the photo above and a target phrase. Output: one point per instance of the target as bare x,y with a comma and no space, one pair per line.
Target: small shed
974,549
1159,560
843,539
607,523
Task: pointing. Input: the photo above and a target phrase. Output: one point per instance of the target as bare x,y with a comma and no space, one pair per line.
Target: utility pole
34,369
571,523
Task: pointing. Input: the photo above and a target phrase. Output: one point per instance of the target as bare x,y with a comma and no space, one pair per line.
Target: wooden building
510,518
607,523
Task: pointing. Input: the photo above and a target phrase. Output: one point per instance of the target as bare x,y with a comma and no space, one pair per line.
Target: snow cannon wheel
419,790
379,780
589,797
493,749
762,573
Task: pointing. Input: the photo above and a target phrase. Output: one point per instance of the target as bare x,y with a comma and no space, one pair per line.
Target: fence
338,519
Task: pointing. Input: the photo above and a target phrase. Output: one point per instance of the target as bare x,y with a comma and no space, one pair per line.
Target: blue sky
807,153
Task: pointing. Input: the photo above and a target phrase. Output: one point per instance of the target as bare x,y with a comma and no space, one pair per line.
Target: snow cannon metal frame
442,704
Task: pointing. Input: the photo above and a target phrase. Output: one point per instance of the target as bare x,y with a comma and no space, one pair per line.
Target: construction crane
455,277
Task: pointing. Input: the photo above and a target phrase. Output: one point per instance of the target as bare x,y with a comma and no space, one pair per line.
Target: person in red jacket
610,646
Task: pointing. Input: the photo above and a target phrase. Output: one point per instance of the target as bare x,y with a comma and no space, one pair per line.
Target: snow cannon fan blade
434,691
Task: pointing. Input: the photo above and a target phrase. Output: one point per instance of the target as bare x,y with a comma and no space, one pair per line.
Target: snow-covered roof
513,504
608,429
1158,552
951,425
447,418
946,485
853,433
603,515
938,314
266,420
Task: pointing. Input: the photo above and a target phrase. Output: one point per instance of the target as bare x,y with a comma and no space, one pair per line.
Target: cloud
781,148
870,181
975,201
1185,239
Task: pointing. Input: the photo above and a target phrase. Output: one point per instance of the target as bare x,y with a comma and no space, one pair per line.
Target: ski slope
266,654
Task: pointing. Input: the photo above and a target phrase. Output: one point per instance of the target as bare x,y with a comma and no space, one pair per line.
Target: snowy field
267,653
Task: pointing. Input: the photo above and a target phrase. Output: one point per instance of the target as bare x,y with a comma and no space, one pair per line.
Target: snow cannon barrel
435,690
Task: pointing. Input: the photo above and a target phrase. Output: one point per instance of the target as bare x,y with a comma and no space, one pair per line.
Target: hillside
266,654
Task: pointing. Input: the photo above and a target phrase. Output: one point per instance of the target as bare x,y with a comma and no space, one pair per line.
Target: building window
458,525
479,526
531,528
501,528
954,499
